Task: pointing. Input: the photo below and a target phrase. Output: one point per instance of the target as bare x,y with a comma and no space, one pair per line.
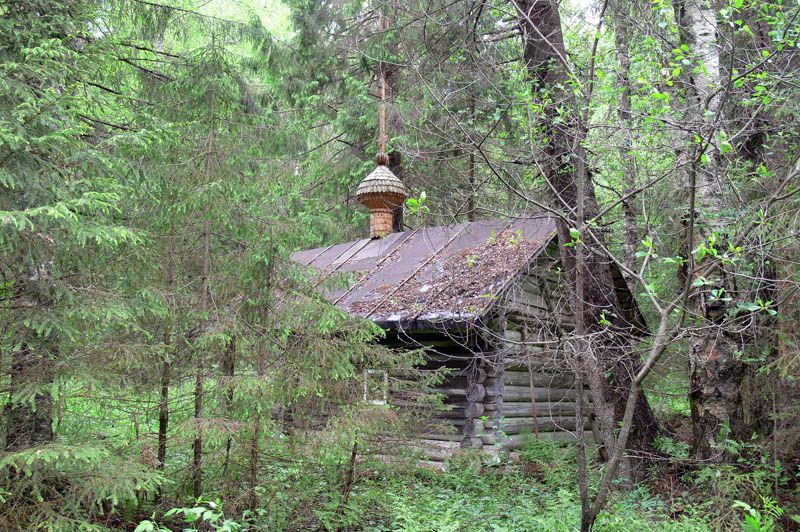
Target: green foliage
762,520
160,161
204,515
501,499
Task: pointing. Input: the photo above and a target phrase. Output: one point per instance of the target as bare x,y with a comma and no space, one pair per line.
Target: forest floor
540,493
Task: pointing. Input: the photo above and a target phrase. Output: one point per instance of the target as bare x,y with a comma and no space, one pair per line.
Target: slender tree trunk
349,479
199,385
255,451
228,366
163,414
630,230
166,364
563,161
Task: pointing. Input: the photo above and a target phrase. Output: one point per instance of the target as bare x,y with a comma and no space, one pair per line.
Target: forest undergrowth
536,491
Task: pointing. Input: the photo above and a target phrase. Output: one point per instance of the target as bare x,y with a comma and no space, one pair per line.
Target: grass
503,498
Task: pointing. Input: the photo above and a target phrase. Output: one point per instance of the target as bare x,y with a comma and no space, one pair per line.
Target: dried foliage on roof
433,274
465,284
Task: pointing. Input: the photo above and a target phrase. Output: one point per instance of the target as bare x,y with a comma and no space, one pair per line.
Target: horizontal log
432,449
520,425
538,313
456,437
519,440
454,392
471,443
425,464
435,444
492,381
523,393
518,362
452,422
525,409
543,379
454,413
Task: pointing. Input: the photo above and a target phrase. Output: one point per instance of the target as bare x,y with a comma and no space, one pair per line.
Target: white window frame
385,387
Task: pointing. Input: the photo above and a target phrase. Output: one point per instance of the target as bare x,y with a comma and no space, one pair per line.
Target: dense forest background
160,161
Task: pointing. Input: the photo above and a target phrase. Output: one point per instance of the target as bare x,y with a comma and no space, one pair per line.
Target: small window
376,386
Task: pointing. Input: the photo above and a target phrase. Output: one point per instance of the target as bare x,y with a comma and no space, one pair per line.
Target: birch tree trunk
715,373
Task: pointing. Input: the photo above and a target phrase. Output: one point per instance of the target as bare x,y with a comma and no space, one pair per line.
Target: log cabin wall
538,392
510,379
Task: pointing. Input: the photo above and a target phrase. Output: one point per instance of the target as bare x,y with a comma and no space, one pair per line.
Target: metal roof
432,274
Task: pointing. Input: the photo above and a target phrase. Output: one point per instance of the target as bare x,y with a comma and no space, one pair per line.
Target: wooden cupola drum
381,191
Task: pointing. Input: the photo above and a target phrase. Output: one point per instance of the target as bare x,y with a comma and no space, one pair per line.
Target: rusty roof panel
449,273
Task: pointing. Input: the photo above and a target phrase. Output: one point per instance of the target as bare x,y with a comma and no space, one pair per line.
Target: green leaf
145,526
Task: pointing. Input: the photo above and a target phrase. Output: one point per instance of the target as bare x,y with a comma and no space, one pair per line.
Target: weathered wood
456,437
474,410
472,443
524,409
520,307
427,444
457,392
473,428
493,370
495,391
454,413
517,361
518,440
475,392
519,425
542,394
540,379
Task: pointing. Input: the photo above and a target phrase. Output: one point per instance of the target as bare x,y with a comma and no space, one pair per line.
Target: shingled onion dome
382,192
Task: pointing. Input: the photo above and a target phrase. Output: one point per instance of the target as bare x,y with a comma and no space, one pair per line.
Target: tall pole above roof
382,157
381,191
383,138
